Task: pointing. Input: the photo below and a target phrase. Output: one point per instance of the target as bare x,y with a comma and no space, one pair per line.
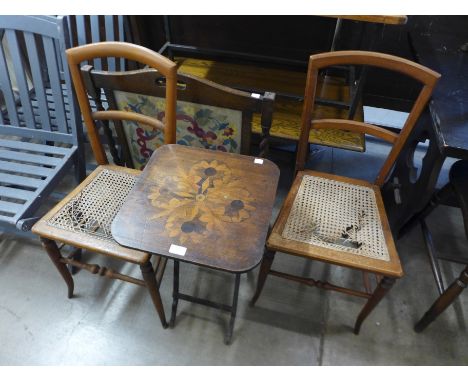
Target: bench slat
12,208
54,75
21,180
16,193
21,81
30,158
38,81
36,134
22,168
34,147
5,84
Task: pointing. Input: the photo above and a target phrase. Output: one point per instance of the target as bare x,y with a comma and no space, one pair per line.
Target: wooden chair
338,220
208,116
457,188
40,127
83,219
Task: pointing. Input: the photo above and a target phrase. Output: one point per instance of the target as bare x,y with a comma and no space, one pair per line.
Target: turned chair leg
54,253
153,288
265,267
444,301
382,289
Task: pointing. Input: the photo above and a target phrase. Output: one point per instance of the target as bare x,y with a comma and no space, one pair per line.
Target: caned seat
83,219
339,220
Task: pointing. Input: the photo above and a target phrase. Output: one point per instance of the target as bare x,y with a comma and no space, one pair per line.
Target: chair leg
382,289
265,267
150,280
432,256
54,253
444,301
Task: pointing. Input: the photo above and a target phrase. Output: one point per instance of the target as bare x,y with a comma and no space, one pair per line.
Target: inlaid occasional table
208,208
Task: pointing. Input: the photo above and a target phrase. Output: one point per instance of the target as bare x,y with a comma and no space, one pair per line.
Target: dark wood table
444,125
447,53
208,208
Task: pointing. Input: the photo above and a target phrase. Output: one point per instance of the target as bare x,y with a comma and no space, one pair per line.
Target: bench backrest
87,29
35,88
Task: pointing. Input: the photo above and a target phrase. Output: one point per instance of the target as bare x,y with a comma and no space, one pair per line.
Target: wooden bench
289,88
40,128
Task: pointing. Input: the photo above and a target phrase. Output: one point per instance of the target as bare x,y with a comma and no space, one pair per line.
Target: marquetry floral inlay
200,200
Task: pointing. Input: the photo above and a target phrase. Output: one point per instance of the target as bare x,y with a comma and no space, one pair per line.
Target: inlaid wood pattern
217,205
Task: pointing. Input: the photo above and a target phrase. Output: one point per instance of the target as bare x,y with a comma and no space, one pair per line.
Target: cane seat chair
83,219
339,220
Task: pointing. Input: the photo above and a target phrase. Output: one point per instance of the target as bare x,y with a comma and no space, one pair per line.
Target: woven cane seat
338,220
337,215
85,216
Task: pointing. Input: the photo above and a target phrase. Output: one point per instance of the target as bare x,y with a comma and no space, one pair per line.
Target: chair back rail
130,52
424,75
196,95
112,115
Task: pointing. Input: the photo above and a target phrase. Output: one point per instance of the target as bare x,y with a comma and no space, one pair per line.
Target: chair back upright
132,52
427,77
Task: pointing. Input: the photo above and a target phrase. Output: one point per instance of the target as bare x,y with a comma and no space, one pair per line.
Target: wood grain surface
217,205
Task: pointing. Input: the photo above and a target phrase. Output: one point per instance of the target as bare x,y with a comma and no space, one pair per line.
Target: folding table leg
175,293
153,289
444,301
265,267
54,253
227,339
382,289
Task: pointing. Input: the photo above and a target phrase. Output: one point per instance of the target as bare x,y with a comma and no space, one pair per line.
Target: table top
442,52
204,207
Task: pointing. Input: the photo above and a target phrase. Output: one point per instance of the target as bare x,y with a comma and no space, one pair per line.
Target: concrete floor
114,323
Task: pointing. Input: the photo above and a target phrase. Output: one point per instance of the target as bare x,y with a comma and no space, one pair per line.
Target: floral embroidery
201,199
198,125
